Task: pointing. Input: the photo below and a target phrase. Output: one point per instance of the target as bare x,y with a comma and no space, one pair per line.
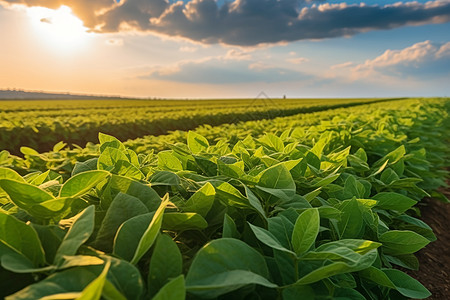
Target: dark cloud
248,22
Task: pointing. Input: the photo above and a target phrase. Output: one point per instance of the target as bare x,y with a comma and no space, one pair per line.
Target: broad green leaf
351,222
305,232
168,161
150,234
273,142
229,228
28,197
358,262
17,237
174,290
18,263
225,265
131,187
398,242
196,142
268,239
59,146
79,261
376,275
82,183
165,178
201,201
121,209
394,201
94,290
78,234
254,202
51,237
73,280
6,173
406,285
129,234
282,228
277,177
109,141
166,263
117,162
183,221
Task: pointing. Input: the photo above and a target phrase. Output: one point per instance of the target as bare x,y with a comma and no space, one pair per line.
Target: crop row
322,210
41,125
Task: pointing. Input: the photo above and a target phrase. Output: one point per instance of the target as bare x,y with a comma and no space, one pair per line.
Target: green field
294,199
41,124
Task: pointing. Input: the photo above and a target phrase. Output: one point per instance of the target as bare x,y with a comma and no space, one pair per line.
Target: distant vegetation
41,124
28,95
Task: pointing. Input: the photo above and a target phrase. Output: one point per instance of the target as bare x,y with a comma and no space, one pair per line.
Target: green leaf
129,234
78,234
69,281
165,178
131,187
277,181
267,238
19,238
273,142
305,232
351,223
166,263
168,161
94,290
122,208
183,221
6,173
28,197
201,201
229,228
174,290
398,242
109,141
117,162
82,183
394,201
406,285
150,234
376,275
196,142
225,265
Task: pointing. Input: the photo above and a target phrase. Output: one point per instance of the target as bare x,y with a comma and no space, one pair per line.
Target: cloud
218,70
247,22
424,60
297,60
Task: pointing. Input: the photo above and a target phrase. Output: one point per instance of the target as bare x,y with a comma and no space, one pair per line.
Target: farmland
310,199
41,124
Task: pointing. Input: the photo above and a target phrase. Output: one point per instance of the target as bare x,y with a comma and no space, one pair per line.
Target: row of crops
41,124
312,206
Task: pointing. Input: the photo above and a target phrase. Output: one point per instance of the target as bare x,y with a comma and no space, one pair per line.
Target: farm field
316,199
41,124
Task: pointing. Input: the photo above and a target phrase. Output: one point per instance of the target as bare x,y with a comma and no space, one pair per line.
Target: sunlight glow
59,29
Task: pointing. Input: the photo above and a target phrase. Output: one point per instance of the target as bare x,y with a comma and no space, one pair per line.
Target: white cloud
297,60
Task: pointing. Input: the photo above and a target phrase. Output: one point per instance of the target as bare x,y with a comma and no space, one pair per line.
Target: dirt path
434,272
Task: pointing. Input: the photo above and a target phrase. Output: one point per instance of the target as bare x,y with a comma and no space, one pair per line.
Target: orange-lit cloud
246,22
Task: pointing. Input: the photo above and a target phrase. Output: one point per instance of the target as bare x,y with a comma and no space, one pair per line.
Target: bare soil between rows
434,269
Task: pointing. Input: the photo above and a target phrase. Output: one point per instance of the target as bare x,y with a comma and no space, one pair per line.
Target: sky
226,48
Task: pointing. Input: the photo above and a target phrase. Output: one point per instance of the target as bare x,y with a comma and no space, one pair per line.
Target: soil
434,259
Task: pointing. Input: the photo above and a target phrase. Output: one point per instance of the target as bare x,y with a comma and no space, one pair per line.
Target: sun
59,29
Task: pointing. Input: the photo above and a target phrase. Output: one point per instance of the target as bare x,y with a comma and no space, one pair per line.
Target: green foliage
314,206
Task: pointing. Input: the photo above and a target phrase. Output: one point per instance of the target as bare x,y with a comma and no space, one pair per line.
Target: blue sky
207,48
